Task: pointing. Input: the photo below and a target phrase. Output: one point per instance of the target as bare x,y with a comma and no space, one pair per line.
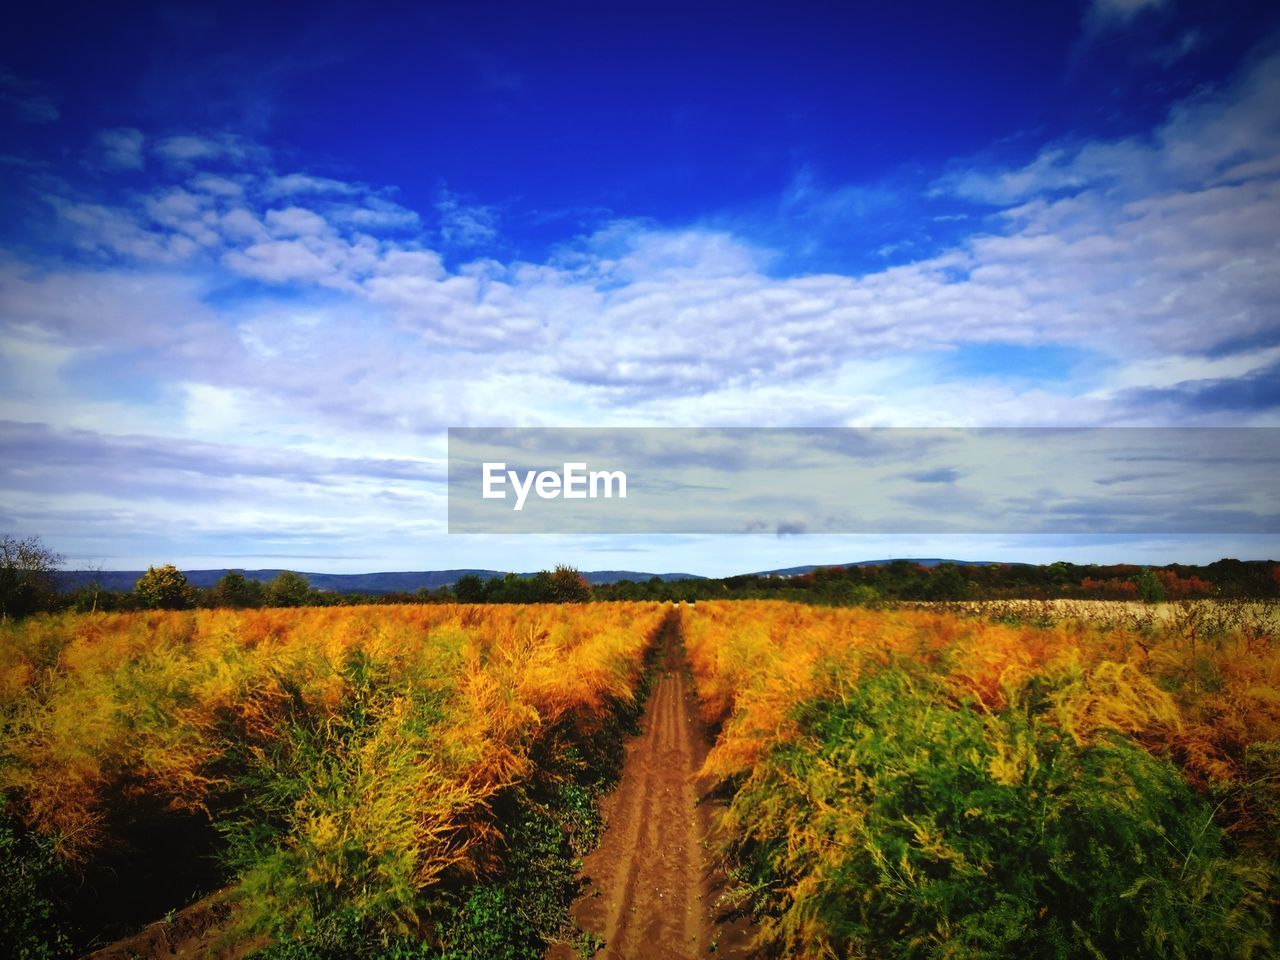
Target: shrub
901,823
31,925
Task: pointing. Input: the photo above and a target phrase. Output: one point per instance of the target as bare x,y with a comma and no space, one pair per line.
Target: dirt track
651,893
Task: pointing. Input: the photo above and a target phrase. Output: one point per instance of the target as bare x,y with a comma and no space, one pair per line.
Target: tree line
908,580
28,585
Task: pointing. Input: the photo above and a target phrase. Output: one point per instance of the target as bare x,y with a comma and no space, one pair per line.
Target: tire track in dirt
651,890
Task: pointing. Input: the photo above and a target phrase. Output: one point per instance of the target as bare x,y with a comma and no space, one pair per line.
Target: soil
652,891
193,933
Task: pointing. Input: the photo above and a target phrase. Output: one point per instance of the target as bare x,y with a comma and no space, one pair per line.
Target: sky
255,260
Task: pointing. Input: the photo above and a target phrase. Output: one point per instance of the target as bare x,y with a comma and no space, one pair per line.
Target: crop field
362,775
958,781
922,783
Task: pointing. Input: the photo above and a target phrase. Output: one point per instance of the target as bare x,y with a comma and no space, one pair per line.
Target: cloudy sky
252,266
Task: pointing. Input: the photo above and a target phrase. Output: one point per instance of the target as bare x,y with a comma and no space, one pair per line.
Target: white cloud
295,222
465,225
297,322
1215,136
294,183
121,149
118,233
102,311
217,186
1134,251
184,150
376,214
318,259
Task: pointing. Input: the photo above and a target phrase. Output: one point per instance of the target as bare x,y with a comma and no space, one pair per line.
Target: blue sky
254,263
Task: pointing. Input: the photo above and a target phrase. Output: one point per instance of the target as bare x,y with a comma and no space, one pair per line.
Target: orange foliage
1182,588
98,708
1197,681
1110,589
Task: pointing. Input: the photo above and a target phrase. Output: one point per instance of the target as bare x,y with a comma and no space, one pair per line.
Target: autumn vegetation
930,783
923,778
368,774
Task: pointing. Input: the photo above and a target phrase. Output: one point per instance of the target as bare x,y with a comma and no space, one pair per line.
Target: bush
31,925
235,591
902,824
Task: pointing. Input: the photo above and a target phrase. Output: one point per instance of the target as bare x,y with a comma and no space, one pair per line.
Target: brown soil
195,932
652,892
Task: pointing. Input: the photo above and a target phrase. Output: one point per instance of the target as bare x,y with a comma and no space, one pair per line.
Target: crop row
916,783
363,769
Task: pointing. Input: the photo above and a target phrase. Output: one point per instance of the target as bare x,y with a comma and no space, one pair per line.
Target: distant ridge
368,583
410,581
923,561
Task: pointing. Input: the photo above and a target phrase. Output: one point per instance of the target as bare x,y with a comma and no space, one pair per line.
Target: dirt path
651,893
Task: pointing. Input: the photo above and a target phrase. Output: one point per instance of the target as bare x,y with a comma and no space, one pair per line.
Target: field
930,783
1043,780
370,779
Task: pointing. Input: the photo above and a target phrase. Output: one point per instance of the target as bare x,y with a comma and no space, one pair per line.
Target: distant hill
410,581
923,561
368,583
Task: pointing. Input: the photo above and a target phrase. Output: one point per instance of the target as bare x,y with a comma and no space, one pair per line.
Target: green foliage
31,925
469,589
566,585
508,913
235,591
900,824
511,913
562,585
1150,589
288,589
164,588
513,917
907,580
326,774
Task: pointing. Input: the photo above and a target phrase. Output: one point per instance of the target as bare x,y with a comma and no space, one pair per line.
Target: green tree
469,588
289,589
164,588
234,590
947,582
1150,589
26,577
567,585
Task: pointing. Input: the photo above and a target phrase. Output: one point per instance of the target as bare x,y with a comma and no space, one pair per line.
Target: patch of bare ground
651,889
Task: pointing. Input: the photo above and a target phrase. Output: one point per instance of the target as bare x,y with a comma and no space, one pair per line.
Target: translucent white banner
838,480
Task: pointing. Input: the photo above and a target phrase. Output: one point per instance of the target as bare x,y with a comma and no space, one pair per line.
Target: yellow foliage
1197,681
95,708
